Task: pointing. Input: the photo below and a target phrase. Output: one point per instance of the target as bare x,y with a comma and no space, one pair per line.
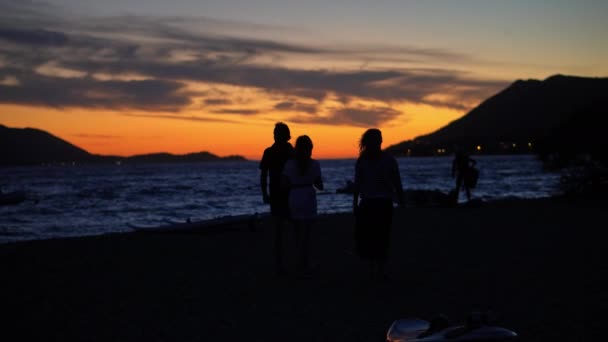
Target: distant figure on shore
377,184
463,169
302,177
271,166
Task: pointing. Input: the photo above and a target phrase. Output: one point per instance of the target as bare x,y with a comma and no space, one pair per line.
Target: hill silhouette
34,146
30,146
179,158
558,114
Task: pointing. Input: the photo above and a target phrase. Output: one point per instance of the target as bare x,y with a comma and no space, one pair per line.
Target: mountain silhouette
181,158
29,146
34,146
556,114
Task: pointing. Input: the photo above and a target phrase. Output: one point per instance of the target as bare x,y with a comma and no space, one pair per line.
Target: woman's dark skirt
373,227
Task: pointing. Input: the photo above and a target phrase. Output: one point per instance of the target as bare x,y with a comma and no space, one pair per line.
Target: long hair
303,152
369,145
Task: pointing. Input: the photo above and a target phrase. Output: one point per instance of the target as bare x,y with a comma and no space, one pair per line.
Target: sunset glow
137,77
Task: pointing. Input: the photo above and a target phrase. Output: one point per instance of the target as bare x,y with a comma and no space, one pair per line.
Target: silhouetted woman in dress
302,176
377,184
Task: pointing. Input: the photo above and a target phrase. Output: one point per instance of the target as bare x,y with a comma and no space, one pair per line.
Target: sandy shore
535,263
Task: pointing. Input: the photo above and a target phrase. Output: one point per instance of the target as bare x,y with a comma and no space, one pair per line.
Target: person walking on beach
302,177
464,172
377,184
271,166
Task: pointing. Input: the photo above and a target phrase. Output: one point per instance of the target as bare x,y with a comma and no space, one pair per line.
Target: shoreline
431,199
529,262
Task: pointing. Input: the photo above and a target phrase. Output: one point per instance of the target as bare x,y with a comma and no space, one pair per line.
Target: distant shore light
478,147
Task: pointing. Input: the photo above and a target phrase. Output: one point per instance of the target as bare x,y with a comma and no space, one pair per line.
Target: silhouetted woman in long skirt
377,183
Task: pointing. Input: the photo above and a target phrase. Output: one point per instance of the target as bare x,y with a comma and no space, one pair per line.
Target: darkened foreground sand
536,264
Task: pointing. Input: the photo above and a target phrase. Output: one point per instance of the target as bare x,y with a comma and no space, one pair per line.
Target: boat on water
11,198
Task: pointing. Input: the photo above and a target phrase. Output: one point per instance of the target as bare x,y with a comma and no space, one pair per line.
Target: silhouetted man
461,169
271,165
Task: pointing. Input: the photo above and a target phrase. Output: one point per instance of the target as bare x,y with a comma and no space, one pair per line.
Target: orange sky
113,133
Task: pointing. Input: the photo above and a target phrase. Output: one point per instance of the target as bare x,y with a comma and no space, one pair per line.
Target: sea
82,200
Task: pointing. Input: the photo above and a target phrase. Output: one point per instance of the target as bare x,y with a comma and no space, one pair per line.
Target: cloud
35,89
18,9
181,117
354,116
56,59
217,102
293,106
9,81
237,111
39,37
